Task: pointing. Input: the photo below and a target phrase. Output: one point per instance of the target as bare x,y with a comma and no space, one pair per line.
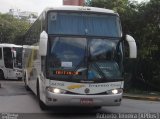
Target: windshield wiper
96,66
80,63
99,70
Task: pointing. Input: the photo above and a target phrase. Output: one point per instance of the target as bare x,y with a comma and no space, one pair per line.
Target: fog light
49,99
54,100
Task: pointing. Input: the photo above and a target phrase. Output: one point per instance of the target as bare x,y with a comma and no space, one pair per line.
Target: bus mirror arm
132,46
43,44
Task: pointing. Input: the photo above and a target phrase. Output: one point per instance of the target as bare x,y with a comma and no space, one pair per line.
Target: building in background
27,15
74,2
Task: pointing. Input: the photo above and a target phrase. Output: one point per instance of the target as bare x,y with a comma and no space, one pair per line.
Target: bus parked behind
10,61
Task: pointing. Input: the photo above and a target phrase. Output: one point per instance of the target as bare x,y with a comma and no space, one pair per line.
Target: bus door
17,54
8,62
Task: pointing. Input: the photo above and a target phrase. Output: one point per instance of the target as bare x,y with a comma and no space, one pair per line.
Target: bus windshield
83,59
87,24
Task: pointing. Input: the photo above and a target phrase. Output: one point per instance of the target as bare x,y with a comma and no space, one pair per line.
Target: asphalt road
14,99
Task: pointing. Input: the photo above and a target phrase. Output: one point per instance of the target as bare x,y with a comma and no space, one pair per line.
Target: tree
142,21
12,29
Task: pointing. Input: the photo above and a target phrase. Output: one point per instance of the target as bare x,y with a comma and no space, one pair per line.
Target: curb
149,98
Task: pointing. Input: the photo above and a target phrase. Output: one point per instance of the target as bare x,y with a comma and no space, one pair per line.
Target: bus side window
8,61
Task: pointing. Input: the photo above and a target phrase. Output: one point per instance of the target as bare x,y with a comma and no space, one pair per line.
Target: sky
30,5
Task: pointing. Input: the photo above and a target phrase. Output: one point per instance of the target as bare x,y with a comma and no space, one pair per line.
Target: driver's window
102,49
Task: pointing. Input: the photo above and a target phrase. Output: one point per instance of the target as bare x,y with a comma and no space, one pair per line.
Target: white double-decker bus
10,61
73,56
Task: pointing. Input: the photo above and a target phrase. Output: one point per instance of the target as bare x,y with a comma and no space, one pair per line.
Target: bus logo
87,90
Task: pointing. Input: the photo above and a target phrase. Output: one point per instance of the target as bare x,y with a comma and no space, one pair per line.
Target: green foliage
12,29
142,21
117,5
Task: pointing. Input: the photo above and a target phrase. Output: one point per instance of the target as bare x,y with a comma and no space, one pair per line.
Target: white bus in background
73,56
10,61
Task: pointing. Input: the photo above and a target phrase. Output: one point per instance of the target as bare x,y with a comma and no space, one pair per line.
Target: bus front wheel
25,83
41,104
1,75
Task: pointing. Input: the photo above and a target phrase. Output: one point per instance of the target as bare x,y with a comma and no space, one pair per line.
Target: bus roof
80,8
9,45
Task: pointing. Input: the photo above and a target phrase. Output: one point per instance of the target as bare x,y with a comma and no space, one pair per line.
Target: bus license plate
86,101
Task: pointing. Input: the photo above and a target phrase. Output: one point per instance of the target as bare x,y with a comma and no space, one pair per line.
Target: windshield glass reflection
84,59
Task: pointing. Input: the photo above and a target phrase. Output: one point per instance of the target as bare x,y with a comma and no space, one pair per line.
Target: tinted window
8,61
76,59
83,24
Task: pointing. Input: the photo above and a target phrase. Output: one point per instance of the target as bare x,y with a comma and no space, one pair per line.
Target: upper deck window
83,24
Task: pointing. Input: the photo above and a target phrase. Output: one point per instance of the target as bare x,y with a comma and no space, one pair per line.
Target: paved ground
12,88
15,99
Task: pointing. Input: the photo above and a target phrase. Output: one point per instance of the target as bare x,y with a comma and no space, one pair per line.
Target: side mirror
43,44
132,46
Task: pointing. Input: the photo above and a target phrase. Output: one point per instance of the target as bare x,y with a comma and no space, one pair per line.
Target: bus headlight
115,91
56,90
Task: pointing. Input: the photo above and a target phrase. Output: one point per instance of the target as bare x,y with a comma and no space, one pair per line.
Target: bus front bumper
82,100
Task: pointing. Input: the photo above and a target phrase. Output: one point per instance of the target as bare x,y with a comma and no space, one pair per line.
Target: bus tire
41,104
27,88
25,84
1,75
